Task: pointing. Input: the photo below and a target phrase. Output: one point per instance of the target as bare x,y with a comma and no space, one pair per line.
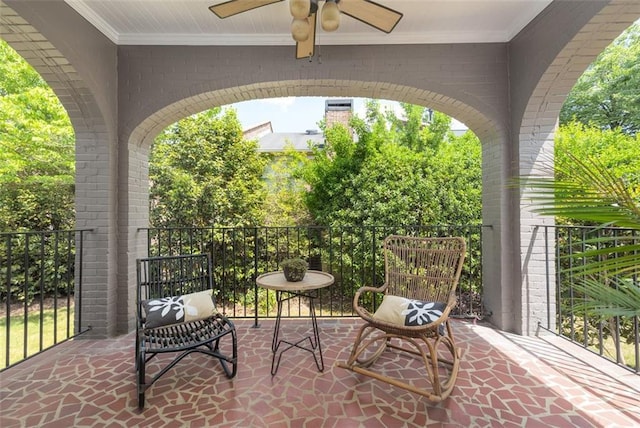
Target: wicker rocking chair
176,314
421,276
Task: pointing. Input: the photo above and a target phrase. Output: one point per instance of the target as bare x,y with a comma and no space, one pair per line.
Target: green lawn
627,349
17,333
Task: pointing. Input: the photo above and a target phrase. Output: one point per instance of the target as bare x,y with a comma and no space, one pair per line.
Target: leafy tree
384,181
617,152
386,177
389,189
37,156
37,153
607,95
203,174
421,128
457,173
283,205
329,174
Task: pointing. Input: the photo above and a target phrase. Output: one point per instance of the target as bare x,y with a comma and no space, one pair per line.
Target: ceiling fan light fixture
330,17
300,29
305,19
300,9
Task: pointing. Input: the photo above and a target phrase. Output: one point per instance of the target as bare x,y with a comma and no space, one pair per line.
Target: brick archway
142,136
94,124
535,120
152,125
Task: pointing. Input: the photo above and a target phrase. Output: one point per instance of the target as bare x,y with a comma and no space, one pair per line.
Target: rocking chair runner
421,276
176,314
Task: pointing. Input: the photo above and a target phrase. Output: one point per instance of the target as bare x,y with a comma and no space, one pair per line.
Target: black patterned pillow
408,312
178,309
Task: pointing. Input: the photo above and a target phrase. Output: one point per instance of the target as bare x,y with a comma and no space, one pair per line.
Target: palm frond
615,260
592,193
607,268
620,299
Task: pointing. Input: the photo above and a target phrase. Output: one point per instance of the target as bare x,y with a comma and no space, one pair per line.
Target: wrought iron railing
41,279
40,291
617,338
352,254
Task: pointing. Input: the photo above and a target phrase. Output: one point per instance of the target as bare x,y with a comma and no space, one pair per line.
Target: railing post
255,275
26,297
80,274
8,306
546,271
41,286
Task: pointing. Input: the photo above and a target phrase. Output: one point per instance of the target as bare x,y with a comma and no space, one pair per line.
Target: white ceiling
189,22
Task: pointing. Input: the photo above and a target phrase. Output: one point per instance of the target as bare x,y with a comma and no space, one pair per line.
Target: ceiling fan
303,26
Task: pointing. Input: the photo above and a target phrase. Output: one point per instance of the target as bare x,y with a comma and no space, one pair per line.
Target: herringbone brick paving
505,380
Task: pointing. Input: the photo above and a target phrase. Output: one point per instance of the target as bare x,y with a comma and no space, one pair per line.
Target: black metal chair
176,313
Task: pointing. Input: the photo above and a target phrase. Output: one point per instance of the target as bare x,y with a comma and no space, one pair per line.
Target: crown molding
94,19
325,39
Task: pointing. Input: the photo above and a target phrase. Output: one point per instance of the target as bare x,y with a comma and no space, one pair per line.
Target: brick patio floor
505,380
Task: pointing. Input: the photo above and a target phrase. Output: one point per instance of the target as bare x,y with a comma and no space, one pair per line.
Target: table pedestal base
313,345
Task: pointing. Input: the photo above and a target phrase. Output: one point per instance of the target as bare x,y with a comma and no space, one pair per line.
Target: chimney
338,111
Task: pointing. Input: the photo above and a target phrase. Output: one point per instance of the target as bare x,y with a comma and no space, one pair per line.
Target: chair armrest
367,289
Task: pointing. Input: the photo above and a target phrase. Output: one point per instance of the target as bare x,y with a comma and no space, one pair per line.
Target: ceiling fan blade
371,13
306,49
234,7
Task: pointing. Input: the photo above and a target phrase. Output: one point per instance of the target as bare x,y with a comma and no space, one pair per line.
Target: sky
297,114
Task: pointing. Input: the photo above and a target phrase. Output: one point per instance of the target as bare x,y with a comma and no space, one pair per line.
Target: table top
312,280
